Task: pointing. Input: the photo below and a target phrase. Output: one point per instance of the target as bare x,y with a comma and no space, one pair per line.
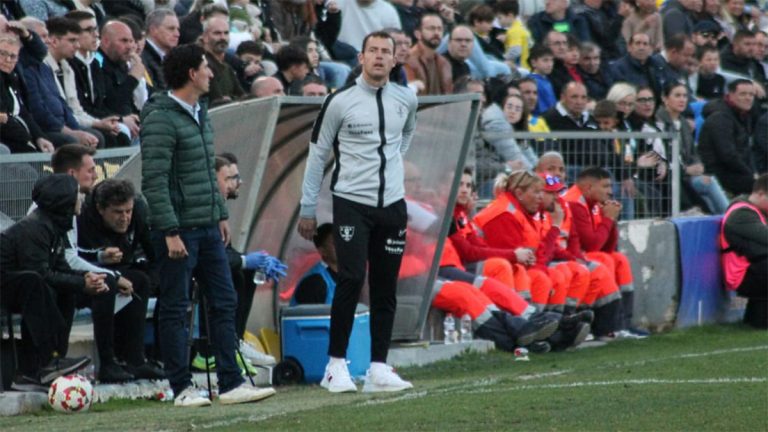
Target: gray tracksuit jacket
369,130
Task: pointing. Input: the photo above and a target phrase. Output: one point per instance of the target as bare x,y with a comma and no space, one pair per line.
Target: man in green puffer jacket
189,228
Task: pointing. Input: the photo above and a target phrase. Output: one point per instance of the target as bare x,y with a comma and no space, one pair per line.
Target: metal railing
19,172
645,165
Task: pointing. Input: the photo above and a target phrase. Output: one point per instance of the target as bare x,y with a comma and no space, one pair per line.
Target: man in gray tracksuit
368,125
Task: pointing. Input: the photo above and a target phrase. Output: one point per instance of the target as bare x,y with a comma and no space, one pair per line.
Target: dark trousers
245,289
121,335
208,261
371,236
46,317
755,288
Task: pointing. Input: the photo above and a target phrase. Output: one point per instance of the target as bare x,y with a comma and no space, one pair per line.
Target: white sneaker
191,397
626,334
384,379
336,378
245,393
255,356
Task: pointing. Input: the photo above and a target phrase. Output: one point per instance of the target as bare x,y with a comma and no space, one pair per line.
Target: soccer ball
70,394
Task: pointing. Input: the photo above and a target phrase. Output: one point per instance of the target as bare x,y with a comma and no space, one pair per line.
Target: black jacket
748,67
37,242
745,234
597,84
93,235
603,27
118,86
725,146
676,19
630,70
760,148
154,65
90,92
19,132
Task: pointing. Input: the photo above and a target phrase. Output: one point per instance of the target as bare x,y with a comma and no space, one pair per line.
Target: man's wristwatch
173,232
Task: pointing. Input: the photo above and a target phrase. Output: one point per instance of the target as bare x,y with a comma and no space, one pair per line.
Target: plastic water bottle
449,330
466,328
259,277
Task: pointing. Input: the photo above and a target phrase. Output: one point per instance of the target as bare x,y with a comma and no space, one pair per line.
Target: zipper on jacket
383,138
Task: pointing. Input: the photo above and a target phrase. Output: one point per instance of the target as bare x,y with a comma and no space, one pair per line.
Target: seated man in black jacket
727,137
744,239
113,233
38,283
318,285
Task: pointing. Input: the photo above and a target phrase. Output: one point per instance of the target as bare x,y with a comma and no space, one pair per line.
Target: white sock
337,360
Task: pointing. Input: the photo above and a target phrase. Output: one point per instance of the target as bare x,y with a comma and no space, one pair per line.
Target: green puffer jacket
178,171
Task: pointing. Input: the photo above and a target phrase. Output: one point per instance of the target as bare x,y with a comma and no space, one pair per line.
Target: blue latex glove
275,269
257,260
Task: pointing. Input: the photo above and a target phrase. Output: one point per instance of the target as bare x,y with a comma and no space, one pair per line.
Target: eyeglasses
644,100
9,56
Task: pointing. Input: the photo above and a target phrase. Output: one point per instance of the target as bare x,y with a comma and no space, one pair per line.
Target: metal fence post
676,175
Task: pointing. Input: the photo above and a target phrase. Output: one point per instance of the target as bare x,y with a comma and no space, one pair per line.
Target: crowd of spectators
79,72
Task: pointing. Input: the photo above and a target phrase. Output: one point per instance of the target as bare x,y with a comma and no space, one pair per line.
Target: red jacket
468,243
507,225
595,233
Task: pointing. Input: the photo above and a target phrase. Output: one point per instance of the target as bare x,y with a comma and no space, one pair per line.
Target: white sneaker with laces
256,357
245,393
191,397
336,378
382,378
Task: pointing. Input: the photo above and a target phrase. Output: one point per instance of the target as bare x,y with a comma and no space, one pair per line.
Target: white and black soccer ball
71,394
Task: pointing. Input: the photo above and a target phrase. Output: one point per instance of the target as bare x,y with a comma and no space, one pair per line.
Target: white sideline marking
648,381
696,355
407,396
529,377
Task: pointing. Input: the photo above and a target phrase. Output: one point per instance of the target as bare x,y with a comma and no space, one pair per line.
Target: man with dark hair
62,51
313,86
113,233
226,86
597,234
671,64
250,54
162,35
424,63
38,283
727,137
369,210
292,68
744,242
189,235
738,57
243,266
89,79
638,66
319,283
45,103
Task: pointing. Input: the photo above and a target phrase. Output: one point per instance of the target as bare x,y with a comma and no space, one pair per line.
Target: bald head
117,41
267,86
552,163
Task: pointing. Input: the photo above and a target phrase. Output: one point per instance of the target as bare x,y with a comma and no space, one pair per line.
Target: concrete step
424,353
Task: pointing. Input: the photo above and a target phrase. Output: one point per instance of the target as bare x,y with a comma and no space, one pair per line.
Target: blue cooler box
305,334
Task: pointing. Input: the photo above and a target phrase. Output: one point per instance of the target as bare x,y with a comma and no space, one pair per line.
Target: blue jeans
209,262
335,74
711,193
